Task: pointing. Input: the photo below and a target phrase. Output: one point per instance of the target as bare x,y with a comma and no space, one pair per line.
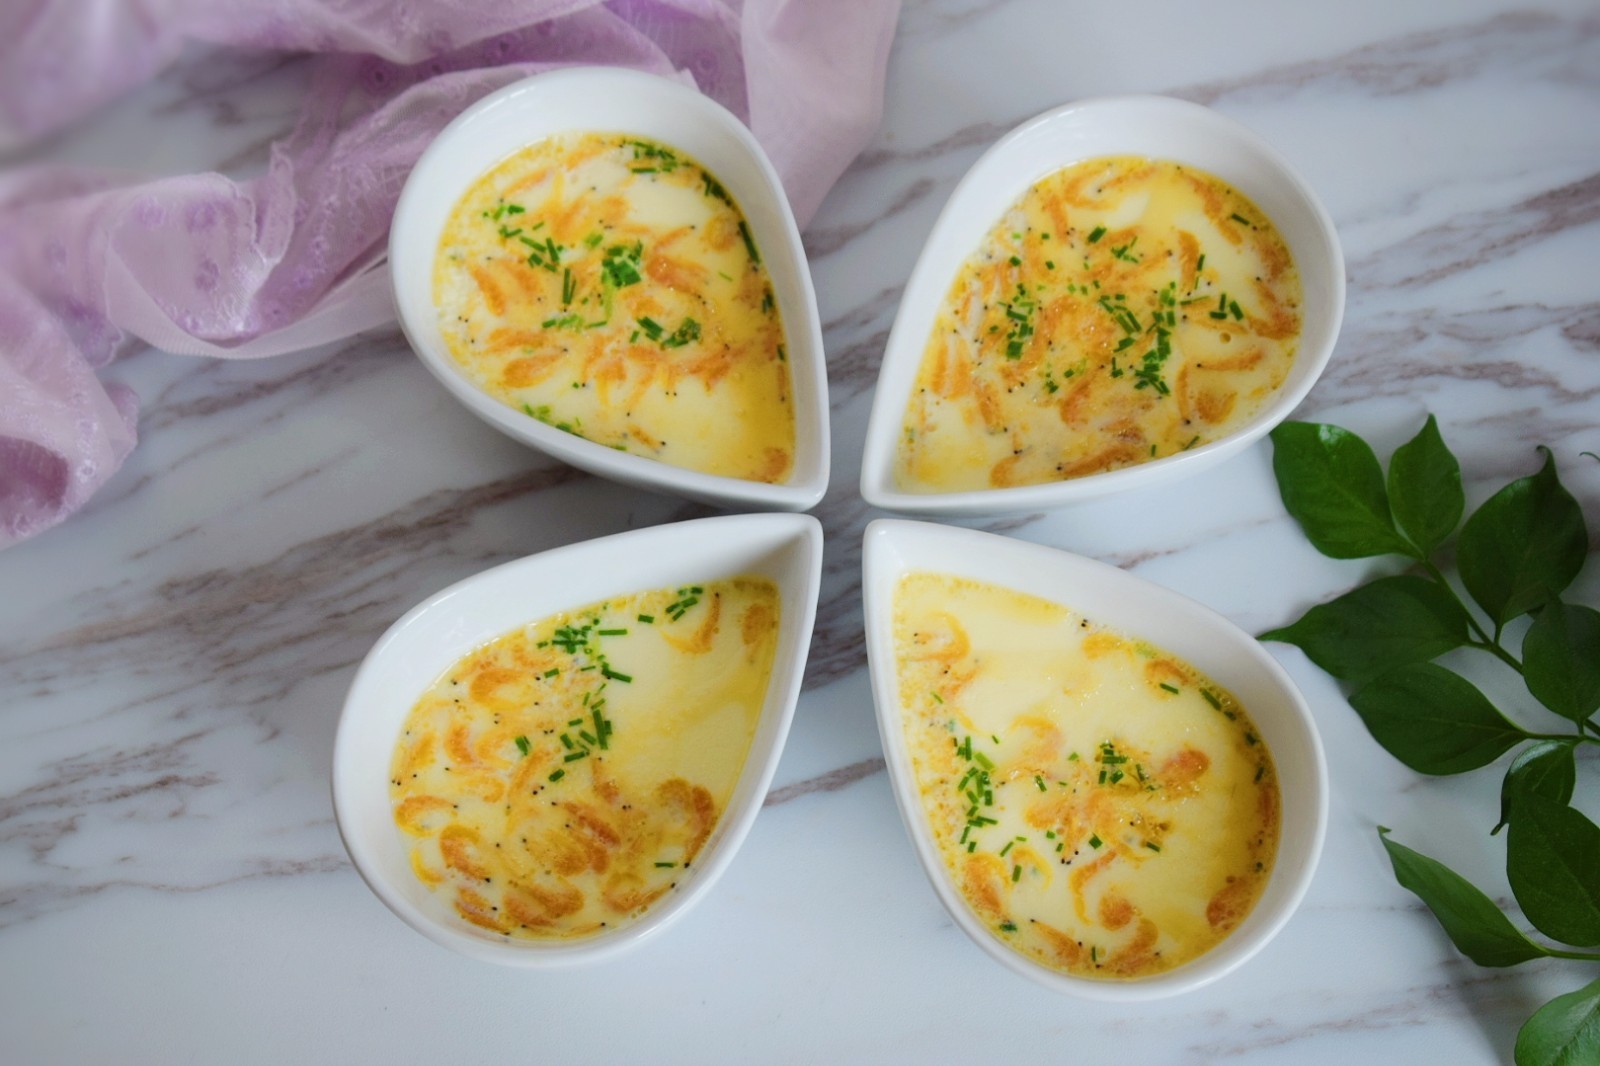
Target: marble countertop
173,658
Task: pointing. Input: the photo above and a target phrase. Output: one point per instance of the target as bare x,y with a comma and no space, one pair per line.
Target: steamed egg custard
1122,310
560,779
1101,807
609,286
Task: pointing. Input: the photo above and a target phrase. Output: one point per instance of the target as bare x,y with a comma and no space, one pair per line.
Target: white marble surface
172,660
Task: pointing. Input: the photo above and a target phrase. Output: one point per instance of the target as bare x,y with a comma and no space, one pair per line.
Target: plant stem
1498,652
1565,737
1557,953
1485,642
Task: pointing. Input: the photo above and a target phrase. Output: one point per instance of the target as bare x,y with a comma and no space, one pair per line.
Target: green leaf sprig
1514,556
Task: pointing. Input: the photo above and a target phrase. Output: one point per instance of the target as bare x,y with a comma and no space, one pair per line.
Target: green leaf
1377,627
1563,1032
1433,720
1553,863
1544,769
1331,483
1561,659
1523,546
1425,488
1474,924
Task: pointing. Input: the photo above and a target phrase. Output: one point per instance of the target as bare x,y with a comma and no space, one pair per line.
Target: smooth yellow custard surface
610,286
559,780
1101,807
1124,309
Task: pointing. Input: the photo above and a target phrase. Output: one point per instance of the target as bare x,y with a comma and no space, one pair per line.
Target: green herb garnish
1019,311
662,158
688,330
749,242
621,264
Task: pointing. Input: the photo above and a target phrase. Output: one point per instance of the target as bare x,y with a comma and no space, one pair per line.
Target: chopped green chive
688,330
749,243
621,265
523,745
714,189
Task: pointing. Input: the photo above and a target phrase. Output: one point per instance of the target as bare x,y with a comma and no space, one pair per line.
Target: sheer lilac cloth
204,265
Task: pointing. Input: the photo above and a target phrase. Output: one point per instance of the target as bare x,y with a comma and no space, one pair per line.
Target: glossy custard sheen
559,780
1124,309
609,286
1101,807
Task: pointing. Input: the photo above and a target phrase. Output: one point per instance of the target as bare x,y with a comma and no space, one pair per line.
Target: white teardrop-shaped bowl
613,100
437,632
1155,126
1136,608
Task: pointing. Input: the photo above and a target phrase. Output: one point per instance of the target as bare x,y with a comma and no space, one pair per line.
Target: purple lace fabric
91,263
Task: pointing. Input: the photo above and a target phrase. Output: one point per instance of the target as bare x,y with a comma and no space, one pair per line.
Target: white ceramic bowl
623,101
440,630
1154,126
1137,608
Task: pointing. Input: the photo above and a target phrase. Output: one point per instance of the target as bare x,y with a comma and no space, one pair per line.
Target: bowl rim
975,553
622,87
792,541
877,484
